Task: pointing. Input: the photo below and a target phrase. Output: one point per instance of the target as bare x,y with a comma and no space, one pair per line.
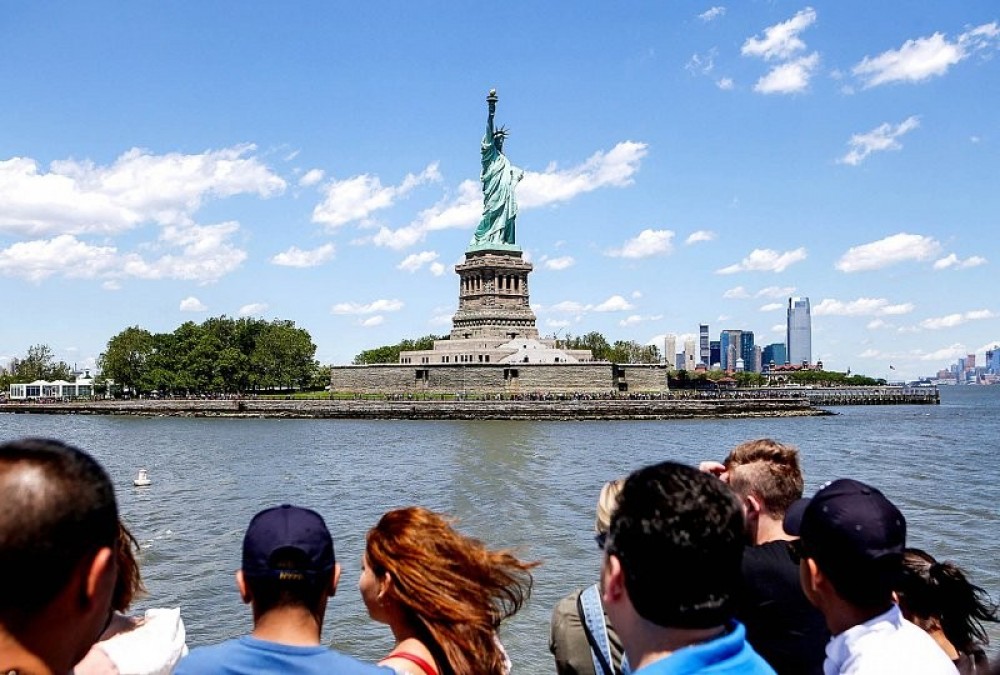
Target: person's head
675,547
938,595
448,588
288,562
851,541
606,503
58,536
128,583
765,475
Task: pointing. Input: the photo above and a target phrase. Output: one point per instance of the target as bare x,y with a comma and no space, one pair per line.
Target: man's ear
241,584
99,578
612,580
334,580
816,579
753,504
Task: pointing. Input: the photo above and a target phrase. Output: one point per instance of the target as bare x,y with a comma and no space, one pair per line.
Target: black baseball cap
300,534
848,524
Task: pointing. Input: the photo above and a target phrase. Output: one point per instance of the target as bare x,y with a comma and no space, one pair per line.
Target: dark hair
128,583
303,591
767,469
930,591
860,581
678,533
59,508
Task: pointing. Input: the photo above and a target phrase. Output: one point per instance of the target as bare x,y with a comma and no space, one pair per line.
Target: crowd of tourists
721,568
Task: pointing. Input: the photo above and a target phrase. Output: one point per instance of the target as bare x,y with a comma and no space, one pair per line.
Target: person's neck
845,615
770,528
943,642
17,657
653,643
289,626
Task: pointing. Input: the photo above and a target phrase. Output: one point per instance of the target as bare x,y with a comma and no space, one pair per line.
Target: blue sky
686,163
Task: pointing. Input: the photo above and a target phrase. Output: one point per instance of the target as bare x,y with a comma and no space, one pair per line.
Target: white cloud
40,259
112,285
894,249
615,303
766,260
860,307
358,197
738,293
614,168
712,13
952,320
415,261
875,324
922,58
377,320
192,304
558,323
790,77
437,269
771,307
647,243
775,292
370,308
699,236
253,309
561,263
952,260
779,328
631,320
881,138
311,177
569,307
781,41
725,83
701,65
636,295
296,257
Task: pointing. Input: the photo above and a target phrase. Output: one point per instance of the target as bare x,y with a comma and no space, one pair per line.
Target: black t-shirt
782,626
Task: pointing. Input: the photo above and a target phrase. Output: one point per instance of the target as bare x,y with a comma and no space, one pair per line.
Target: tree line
38,364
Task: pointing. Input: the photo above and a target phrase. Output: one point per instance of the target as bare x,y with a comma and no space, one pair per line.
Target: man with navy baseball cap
851,541
288,572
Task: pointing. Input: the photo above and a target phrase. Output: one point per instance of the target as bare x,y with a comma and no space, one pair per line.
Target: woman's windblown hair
455,590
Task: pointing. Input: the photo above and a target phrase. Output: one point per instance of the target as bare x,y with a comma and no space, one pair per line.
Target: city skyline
163,164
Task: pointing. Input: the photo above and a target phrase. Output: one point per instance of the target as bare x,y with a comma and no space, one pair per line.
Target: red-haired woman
441,593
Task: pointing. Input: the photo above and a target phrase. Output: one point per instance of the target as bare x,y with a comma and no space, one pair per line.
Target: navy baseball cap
847,523
287,543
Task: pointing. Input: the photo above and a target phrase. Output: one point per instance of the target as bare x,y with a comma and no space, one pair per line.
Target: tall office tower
993,360
798,332
690,357
715,354
670,350
757,358
970,362
774,353
746,350
729,348
704,352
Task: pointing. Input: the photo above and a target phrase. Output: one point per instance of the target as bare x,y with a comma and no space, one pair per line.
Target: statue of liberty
499,178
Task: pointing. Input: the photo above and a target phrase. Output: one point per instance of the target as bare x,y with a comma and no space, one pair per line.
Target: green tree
38,364
124,359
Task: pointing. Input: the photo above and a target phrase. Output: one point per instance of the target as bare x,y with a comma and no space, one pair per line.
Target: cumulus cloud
436,268
712,13
860,307
775,292
881,138
192,304
377,320
560,263
357,198
614,168
647,243
636,319
952,320
253,309
952,260
311,177
615,303
790,77
296,257
766,260
771,307
414,262
738,293
699,236
37,260
725,83
875,324
925,57
370,308
781,41
894,249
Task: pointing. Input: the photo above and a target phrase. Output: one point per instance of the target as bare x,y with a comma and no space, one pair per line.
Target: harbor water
530,486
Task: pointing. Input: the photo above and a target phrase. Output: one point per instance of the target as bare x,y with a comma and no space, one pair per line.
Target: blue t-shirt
246,655
730,654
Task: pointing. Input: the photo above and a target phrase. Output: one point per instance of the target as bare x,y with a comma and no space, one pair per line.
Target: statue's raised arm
499,177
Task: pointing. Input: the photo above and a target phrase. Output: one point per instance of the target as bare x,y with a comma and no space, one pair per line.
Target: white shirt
887,643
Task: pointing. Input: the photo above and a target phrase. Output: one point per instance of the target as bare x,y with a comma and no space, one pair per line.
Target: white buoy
142,479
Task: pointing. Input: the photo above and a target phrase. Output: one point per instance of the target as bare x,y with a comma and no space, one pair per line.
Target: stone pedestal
493,297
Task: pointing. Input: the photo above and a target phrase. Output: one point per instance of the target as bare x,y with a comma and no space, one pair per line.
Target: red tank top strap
413,658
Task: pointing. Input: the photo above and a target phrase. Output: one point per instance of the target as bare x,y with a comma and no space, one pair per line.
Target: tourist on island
442,594
287,575
58,536
939,598
671,572
851,543
781,623
582,639
150,644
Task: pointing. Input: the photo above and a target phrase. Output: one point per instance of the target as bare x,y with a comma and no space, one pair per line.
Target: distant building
714,354
798,332
993,360
773,353
704,350
757,359
690,358
670,350
729,348
83,387
747,350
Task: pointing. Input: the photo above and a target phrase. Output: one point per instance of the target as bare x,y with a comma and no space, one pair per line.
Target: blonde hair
768,469
606,504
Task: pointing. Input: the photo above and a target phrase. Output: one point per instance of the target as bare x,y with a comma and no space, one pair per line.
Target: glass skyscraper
798,332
